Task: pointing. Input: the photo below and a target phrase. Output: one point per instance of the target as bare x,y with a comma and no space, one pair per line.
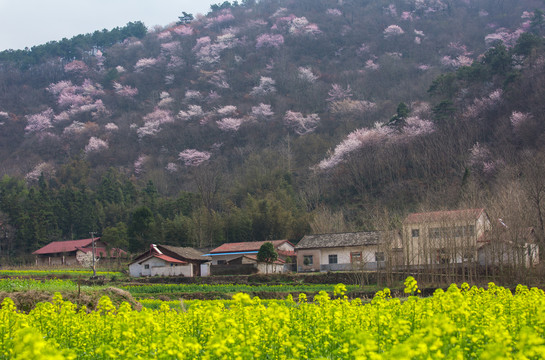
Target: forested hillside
273,119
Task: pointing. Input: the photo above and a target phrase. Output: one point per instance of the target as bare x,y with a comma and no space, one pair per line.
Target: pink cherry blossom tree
269,40
227,110
125,90
229,124
193,157
393,30
262,111
301,124
266,87
76,66
337,93
145,63
95,145
40,122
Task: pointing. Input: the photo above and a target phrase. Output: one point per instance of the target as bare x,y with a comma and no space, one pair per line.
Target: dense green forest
274,119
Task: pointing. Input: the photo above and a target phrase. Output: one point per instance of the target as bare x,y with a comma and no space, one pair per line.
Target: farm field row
460,323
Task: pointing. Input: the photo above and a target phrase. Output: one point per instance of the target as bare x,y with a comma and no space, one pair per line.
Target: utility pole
93,252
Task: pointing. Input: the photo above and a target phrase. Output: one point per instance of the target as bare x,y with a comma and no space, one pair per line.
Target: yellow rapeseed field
460,323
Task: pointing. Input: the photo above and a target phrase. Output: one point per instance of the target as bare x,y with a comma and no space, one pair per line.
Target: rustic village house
166,260
231,258
76,252
444,237
348,251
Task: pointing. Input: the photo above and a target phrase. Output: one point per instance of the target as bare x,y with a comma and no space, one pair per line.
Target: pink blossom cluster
227,110
47,169
76,66
262,111
159,115
391,10
430,6
164,35
75,128
393,30
165,100
415,126
483,13
224,17
171,167
378,135
527,15
95,145
59,87
4,114
193,111
139,164
301,124
480,105
371,65
145,63
39,122
509,38
456,62
337,93
518,118
306,74
301,26
480,158
111,127
150,128
193,157
229,124
266,87
170,48
183,30
125,90
218,78
354,141
334,12
91,89
269,40
207,52
407,16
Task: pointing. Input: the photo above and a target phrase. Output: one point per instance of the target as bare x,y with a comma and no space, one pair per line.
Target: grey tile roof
338,240
186,252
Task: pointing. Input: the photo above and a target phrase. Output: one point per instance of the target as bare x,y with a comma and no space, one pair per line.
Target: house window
355,256
308,260
222,262
146,266
415,233
332,259
379,256
434,233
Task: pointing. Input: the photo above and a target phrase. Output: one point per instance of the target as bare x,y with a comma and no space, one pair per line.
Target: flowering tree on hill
39,122
301,124
193,157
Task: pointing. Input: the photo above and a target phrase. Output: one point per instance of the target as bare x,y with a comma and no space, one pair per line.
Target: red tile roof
57,247
246,246
437,216
169,259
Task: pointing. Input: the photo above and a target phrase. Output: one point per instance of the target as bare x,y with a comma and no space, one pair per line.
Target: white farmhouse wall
179,270
159,267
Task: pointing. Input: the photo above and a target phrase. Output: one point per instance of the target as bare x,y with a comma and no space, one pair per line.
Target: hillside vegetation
273,119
